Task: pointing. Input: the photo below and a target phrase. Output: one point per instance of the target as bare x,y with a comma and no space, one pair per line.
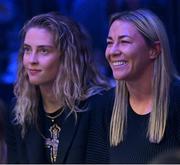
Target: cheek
53,66
54,71
107,54
24,60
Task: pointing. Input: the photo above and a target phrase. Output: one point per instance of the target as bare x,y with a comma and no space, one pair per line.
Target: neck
50,103
141,107
141,86
140,94
51,106
140,91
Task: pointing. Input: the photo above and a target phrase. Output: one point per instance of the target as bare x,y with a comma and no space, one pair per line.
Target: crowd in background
92,15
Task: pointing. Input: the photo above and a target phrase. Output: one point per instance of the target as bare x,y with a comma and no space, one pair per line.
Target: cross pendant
53,142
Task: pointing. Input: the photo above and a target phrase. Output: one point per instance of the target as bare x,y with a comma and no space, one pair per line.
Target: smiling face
40,58
127,52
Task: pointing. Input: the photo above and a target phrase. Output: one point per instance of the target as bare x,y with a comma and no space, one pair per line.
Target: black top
31,149
136,147
72,138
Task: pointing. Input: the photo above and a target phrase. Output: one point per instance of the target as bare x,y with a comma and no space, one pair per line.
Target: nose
113,50
33,58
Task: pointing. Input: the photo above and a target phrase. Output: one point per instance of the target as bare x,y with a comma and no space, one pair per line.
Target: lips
34,71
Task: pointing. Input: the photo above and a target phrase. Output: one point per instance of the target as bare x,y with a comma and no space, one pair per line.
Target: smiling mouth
119,63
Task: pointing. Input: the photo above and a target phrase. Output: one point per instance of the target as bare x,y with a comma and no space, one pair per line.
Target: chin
119,77
34,82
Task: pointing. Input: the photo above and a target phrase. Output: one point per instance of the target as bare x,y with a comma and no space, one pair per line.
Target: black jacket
73,138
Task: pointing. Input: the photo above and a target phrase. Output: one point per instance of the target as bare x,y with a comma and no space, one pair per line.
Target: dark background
93,15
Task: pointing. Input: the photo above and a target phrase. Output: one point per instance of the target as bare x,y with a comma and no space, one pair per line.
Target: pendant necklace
52,143
54,117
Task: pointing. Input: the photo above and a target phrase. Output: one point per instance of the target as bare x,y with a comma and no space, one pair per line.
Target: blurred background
93,15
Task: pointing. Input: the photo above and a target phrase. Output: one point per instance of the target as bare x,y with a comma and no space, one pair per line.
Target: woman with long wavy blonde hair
56,79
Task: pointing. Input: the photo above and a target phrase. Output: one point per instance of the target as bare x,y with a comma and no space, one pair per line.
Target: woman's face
127,52
40,58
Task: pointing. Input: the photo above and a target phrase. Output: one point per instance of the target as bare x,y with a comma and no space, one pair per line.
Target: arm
10,137
175,106
98,134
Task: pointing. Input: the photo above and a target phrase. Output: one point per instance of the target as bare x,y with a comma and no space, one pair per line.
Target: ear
155,50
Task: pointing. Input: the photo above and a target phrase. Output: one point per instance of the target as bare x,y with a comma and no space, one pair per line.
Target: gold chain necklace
52,142
56,116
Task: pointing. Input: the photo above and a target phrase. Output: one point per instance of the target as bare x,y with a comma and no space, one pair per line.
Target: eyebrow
119,37
41,46
25,44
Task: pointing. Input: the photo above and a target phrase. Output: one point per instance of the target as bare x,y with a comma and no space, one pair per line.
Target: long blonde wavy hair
77,79
152,29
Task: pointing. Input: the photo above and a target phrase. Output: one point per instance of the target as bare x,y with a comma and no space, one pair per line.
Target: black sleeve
10,138
98,134
175,99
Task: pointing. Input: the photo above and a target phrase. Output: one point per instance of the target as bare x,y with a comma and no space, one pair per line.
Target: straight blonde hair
152,29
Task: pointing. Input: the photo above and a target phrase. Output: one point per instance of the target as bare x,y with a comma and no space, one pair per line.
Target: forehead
123,28
37,35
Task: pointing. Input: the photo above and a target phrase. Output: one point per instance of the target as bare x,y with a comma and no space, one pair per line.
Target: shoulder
175,83
102,101
175,96
101,105
174,112
105,95
175,89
